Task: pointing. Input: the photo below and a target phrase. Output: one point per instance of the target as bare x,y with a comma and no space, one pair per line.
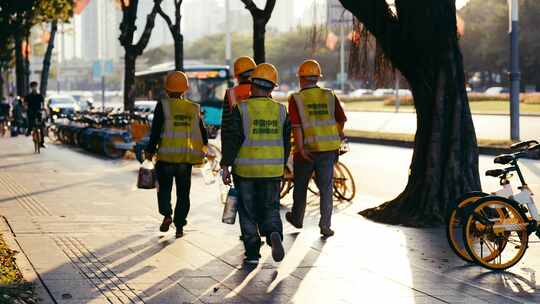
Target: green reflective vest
181,138
316,108
262,153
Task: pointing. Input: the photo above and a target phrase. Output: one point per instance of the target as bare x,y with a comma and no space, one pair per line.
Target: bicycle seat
524,145
495,172
503,159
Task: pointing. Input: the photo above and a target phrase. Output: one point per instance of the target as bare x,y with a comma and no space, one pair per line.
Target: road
487,126
91,237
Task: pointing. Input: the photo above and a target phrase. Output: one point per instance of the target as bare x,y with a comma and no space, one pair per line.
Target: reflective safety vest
316,108
238,94
262,153
181,137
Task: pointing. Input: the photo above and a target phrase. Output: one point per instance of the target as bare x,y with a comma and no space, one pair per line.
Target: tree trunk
27,64
19,66
259,33
179,52
47,59
129,81
445,160
2,81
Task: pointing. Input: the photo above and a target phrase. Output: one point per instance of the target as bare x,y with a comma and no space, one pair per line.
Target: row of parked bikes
493,229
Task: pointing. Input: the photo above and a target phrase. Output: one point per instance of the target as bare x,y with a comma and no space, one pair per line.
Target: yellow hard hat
243,64
309,68
265,72
177,82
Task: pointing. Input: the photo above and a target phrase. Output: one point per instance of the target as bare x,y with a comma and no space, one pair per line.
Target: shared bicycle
493,230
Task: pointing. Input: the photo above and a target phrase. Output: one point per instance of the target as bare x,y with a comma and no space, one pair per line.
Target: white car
63,104
383,92
361,92
496,91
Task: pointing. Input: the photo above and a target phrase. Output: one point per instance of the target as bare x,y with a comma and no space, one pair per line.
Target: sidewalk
92,237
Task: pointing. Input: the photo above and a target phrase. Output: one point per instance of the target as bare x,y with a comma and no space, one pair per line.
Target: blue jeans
323,166
258,211
166,173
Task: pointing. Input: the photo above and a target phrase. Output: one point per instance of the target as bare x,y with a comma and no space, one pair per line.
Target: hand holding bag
147,176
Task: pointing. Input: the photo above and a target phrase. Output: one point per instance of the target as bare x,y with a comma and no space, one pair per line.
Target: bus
208,84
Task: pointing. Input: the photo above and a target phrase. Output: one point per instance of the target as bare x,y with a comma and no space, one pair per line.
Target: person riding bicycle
35,104
317,119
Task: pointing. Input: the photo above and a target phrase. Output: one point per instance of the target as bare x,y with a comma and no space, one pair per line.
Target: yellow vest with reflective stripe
181,137
262,153
316,108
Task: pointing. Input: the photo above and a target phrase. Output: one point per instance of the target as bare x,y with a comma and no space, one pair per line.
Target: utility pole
515,74
228,42
342,55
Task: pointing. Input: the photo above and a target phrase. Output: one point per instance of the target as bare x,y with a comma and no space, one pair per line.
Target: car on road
361,92
59,105
85,99
383,92
496,91
146,107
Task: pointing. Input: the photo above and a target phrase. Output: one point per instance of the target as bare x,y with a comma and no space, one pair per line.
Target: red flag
80,5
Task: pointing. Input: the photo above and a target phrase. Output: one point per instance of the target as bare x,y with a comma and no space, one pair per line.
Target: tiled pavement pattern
92,238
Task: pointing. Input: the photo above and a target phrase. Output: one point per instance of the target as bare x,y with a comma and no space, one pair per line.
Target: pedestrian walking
256,151
317,120
180,139
35,104
243,67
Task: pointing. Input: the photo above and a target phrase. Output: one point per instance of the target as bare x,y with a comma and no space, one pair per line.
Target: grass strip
13,288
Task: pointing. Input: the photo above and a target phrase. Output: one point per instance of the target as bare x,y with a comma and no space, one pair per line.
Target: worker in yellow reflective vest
243,67
256,153
179,136
317,119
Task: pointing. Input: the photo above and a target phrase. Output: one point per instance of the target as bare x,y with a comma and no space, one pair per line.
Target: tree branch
165,17
145,37
383,25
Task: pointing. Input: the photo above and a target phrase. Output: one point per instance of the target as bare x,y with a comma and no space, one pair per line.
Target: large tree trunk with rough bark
47,59
133,50
260,19
129,80
179,53
445,159
19,66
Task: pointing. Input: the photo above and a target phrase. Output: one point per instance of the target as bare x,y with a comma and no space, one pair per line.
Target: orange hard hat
243,64
177,82
265,72
309,68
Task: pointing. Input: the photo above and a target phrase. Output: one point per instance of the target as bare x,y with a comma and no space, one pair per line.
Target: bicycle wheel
454,224
495,233
344,185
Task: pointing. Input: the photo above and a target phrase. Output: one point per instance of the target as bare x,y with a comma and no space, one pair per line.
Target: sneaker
167,221
327,232
179,232
289,218
43,146
251,261
277,247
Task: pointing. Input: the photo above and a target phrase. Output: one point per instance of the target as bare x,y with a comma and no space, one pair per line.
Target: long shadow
2,167
49,190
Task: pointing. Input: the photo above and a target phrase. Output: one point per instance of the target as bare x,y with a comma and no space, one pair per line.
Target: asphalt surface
486,126
91,237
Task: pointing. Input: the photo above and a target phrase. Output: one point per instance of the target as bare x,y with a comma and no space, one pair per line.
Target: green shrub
478,97
403,101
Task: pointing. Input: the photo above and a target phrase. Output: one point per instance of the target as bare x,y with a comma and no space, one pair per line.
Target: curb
473,113
485,150
23,263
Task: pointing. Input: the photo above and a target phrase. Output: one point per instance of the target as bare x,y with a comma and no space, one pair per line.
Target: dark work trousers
34,117
258,210
181,173
323,166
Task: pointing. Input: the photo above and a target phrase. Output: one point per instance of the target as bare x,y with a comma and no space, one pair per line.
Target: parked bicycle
343,181
456,218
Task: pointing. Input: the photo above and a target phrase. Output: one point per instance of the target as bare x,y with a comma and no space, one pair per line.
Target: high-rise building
336,13
202,18
283,17
100,22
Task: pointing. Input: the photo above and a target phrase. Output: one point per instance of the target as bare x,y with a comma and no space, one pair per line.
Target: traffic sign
101,68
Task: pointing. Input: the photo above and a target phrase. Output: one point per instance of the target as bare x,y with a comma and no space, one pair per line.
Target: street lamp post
514,69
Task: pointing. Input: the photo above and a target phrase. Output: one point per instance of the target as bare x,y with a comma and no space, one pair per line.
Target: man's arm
287,129
204,133
157,126
233,142
341,118
296,124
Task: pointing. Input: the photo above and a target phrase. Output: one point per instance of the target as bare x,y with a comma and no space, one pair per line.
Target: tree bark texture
19,66
176,31
421,41
47,59
260,20
133,50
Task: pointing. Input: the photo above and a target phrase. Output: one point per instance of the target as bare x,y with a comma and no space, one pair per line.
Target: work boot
179,232
327,232
290,219
167,221
277,247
